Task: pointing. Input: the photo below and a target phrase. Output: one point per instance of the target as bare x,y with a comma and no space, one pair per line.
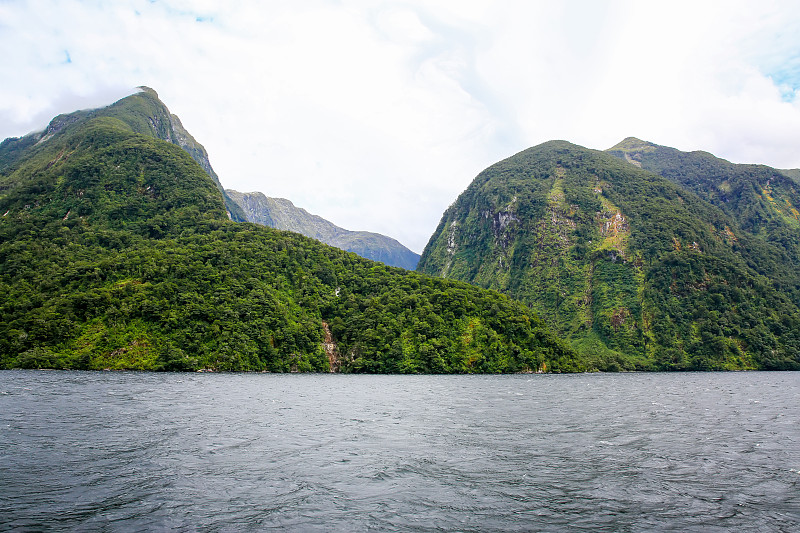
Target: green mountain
638,272
763,202
282,214
143,113
116,252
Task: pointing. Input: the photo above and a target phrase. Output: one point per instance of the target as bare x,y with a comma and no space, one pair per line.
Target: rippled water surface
233,452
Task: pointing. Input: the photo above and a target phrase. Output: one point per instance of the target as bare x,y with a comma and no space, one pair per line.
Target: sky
377,114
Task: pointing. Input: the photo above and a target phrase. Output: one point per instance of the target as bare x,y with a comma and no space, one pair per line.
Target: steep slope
637,271
143,113
116,252
760,198
282,214
763,201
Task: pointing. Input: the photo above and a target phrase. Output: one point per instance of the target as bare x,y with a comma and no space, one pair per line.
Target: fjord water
232,452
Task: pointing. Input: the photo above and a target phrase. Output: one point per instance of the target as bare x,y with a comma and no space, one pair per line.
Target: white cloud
377,114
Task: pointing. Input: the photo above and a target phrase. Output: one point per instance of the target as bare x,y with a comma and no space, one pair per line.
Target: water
254,452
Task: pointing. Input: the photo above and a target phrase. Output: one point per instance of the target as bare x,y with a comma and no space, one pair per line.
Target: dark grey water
231,452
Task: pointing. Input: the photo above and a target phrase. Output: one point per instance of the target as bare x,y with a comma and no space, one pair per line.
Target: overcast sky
377,114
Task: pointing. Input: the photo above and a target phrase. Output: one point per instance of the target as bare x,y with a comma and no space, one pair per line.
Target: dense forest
763,202
116,251
639,273
119,249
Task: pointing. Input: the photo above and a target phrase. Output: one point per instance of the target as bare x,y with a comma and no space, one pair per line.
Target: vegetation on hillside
116,252
762,201
636,271
142,113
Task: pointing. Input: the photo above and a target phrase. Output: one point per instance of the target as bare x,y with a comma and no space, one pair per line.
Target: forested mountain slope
143,113
116,252
282,214
763,201
638,272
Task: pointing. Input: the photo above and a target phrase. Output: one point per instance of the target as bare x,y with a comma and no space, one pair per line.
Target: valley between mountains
121,249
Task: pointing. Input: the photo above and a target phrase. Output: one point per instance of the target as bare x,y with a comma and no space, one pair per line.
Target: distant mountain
793,173
637,271
116,252
282,214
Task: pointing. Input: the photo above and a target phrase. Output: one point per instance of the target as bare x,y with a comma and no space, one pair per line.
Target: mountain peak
117,254
146,114
631,149
632,144
148,90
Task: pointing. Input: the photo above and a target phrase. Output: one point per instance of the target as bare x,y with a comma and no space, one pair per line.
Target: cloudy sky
377,114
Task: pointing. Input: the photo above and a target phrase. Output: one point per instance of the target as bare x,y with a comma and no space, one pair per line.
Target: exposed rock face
331,350
282,214
58,124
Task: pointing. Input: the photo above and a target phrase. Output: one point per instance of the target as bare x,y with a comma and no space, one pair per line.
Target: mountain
116,251
637,271
282,214
143,113
764,202
759,197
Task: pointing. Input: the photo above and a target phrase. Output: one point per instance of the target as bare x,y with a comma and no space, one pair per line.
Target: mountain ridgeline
282,214
117,251
764,202
637,271
120,249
